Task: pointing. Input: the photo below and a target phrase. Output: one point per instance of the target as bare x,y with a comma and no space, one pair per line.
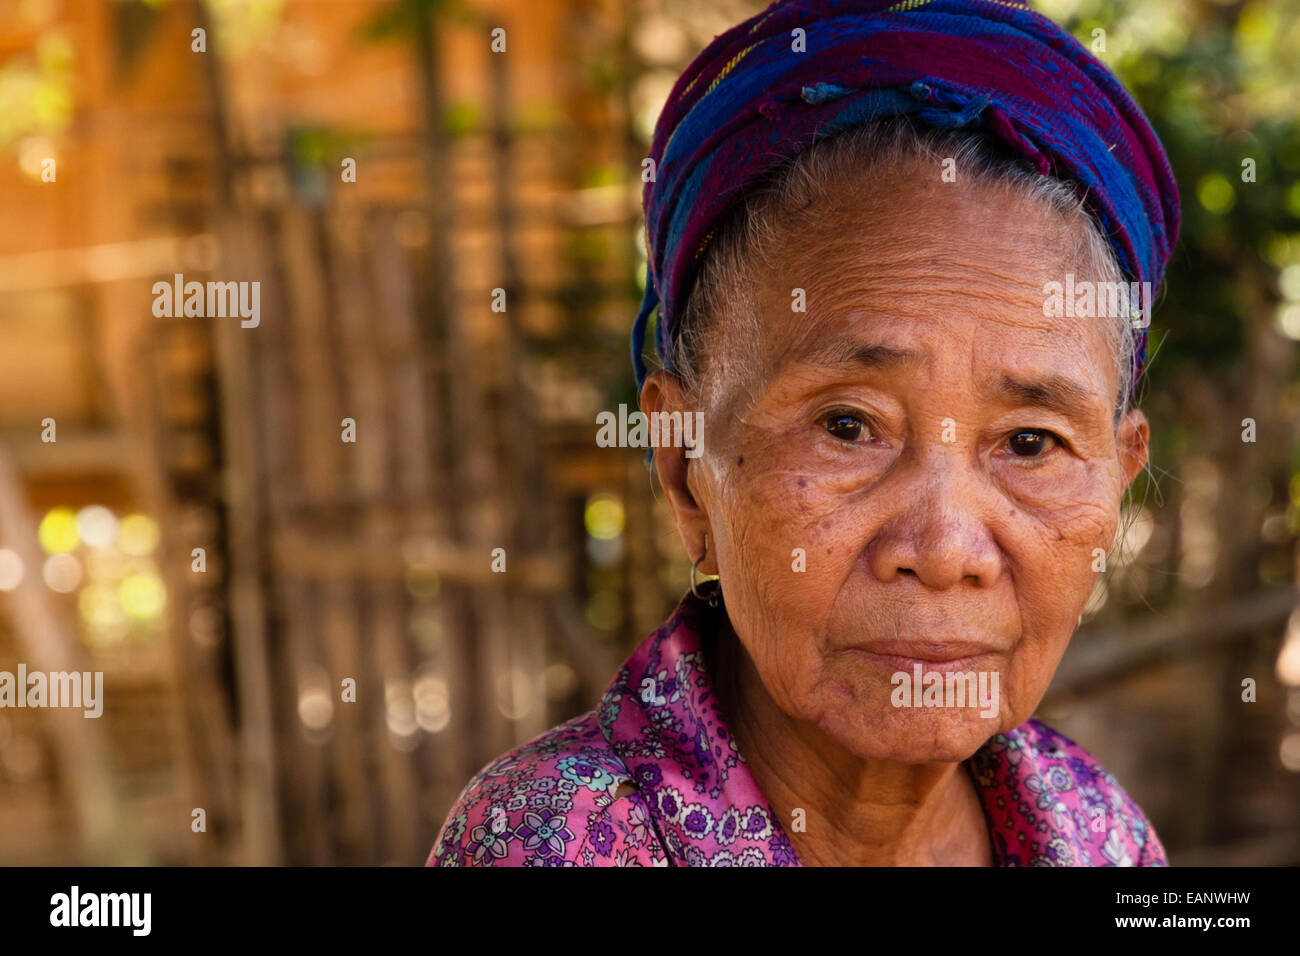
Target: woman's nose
937,534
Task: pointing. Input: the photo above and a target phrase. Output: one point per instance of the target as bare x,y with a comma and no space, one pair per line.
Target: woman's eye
1031,442
847,426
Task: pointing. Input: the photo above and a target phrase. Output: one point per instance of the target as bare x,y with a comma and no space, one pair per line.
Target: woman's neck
855,812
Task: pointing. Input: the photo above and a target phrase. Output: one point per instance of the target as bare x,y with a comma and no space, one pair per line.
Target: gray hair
744,240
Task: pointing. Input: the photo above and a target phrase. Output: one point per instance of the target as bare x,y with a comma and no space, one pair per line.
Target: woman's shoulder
1093,819
558,800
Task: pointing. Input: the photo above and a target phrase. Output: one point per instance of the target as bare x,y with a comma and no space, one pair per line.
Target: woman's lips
930,657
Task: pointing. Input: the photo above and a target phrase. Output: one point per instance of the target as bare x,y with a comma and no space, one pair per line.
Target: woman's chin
910,735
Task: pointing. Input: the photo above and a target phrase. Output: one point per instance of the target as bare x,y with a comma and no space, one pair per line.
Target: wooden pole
49,644
259,801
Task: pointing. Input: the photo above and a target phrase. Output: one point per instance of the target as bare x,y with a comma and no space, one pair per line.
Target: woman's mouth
941,657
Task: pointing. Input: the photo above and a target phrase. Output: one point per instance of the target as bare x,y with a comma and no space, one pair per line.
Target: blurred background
198,531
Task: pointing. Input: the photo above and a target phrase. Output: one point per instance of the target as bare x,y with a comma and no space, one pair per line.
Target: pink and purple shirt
652,777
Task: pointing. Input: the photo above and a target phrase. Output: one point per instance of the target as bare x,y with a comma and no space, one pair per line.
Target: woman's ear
663,393
1133,440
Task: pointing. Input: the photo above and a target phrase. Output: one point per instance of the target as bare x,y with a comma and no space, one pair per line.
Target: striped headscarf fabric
752,100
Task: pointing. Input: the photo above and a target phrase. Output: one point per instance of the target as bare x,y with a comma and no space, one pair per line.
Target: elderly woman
885,242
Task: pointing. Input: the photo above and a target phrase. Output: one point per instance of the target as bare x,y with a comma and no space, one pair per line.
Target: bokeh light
432,703
58,531
1288,662
1289,752
516,693
97,526
315,708
400,707
422,581
102,615
138,535
11,569
604,517
62,573
1216,193
143,595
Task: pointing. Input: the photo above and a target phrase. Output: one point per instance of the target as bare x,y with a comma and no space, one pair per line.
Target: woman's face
923,471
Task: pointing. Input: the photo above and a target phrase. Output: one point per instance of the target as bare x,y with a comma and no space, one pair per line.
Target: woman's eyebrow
837,352
1054,392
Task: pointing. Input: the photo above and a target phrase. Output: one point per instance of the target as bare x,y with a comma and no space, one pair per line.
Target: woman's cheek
785,473
780,513
786,543
1076,504
1062,534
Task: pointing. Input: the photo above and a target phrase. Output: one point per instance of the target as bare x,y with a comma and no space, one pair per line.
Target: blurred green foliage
1220,82
36,90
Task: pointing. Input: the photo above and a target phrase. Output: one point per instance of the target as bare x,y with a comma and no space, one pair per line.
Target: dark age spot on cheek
740,460
803,483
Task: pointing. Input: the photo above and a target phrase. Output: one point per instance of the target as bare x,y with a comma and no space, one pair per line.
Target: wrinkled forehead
934,270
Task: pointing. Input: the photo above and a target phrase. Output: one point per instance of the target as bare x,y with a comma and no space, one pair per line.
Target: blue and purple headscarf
753,100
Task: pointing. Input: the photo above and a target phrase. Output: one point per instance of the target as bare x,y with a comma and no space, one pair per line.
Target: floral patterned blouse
652,777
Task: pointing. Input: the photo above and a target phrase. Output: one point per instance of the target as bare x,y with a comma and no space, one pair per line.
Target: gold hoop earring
714,594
